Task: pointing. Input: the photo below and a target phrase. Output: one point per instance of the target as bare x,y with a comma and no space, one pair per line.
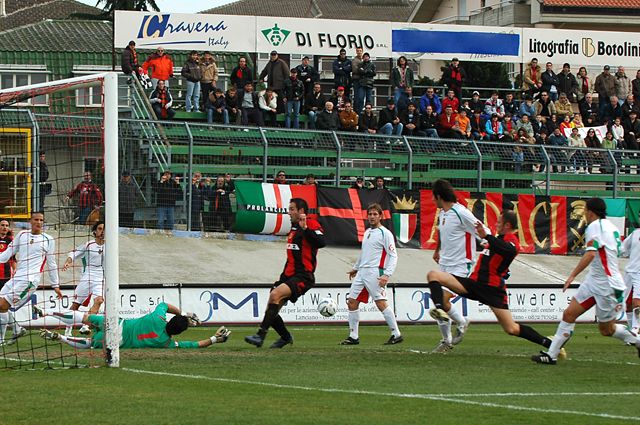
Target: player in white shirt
370,274
631,249
454,254
92,280
603,286
35,252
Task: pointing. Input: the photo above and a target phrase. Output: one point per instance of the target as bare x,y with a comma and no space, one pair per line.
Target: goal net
59,157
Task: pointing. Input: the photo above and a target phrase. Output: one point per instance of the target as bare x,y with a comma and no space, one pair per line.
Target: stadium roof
24,12
325,9
60,36
618,4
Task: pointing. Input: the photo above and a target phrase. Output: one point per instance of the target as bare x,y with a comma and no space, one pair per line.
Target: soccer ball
327,307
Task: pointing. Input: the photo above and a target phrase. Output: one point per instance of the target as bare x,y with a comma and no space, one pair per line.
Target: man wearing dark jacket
567,83
167,192
129,60
277,72
328,118
388,121
342,71
454,76
308,75
192,72
241,74
366,72
293,96
550,82
314,104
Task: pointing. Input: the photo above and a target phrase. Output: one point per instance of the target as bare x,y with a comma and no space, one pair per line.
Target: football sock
354,322
455,313
14,323
279,326
445,330
622,333
70,317
530,334
81,343
436,293
68,330
269,317
390,318
563,333
630,319
635,319
4,320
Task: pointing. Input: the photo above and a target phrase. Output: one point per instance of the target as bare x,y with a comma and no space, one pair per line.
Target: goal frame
109,82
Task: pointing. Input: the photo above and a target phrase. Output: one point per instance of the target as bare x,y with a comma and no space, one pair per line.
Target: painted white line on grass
433,397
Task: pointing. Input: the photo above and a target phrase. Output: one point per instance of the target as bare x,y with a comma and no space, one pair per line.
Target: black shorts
3,281
299,286
489,295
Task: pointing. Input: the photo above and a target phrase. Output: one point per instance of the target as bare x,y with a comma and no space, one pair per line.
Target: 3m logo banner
343,212
264,207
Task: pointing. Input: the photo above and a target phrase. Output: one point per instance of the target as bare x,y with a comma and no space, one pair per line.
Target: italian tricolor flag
616,209
263,207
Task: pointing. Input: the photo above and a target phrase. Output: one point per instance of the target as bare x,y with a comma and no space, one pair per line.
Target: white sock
630,319
4,320
14,323
563,333
354,322
623,334
70,317
455,313
68,330
445,330
81,343
390,318
635,318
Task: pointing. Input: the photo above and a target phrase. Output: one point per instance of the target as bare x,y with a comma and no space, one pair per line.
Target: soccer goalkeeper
149,331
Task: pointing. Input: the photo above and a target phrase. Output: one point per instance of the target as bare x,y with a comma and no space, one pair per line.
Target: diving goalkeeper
149,331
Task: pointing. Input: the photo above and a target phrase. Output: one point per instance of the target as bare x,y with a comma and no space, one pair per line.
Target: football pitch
488,379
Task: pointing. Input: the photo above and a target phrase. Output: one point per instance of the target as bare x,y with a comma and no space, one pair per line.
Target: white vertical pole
111,266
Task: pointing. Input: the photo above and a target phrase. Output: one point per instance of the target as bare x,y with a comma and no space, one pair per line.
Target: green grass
488,379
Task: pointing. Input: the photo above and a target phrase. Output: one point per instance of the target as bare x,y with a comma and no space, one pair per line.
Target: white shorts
366,283
608,307
85,289
459,270
17,292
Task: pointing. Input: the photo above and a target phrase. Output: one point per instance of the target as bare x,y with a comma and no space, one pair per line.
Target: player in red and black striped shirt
487,282
303,242
6,269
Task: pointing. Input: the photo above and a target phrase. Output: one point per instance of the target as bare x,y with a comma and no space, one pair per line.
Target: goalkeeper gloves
222,335
193,319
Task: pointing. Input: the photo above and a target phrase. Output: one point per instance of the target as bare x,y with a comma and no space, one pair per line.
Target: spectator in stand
276,72
45,188
228,183
293,97
552,123
588,109
628,106
635,87
478,130
605,86
592,142
429,123
617,130
129,60
209,75
532,78
584,83
611,111
368,123
405,100
161,66
521,139
167,192
446,124
314,104
328,118
544,106
268,102
197,200
388,121
451,100
310,180
525,124
463,124
508,126
216,107
563,106
339,98
567,83
410,120
366,71
430,98
192,73
578,157
475,104
250,106
280,178
527,107
511,106
241,75
623,85
566,125
453,77
308,75
219,215
348,118
161,101
495,131
401,78
558,156
539,124
542,139
577,120
379,183
493,105
342,71
127,194
550,82
233,105
355,79
358,184
632,131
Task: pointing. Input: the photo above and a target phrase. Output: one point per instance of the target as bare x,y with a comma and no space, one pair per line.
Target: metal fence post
614,195
190,173
338,157
409,164
265,154
479,153
547,161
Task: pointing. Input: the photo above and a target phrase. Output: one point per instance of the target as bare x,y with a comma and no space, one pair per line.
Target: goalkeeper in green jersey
149,331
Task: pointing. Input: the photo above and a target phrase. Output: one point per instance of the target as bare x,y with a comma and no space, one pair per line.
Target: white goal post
109,83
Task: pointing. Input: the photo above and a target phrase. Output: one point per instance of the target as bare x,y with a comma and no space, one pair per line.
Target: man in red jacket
161,66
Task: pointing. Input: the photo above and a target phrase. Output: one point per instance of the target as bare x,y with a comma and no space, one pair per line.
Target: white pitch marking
434,397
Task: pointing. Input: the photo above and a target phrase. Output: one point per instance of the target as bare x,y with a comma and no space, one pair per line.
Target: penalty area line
432,397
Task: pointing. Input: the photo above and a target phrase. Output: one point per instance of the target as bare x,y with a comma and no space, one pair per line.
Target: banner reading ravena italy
181,31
